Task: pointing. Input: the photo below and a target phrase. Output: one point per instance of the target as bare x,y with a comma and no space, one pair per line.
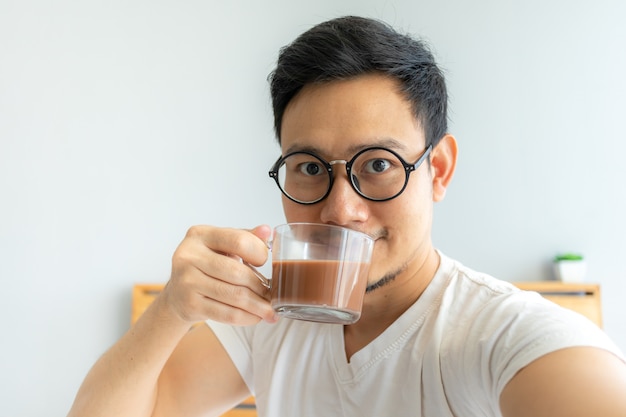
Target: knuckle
182,249
235,294
251,248
180,258
186,254
239,242
241,295
194,231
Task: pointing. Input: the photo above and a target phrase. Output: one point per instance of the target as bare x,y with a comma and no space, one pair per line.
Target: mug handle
260,276
266,282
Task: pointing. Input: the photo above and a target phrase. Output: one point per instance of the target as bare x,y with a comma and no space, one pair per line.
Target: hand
209,280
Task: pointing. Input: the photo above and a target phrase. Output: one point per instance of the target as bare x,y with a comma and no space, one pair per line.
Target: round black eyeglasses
376,174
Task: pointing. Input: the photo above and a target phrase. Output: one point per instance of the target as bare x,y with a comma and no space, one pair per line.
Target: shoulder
501,313
482,297
474,294
500,329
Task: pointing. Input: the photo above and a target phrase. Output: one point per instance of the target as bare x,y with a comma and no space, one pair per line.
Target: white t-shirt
450,354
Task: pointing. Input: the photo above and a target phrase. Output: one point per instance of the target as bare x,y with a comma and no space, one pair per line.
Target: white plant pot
570,271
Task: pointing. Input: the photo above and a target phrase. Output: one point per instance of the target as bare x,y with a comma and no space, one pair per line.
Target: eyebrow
389,143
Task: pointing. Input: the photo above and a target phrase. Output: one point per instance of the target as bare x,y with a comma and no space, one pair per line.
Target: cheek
407,220
414,215
295,213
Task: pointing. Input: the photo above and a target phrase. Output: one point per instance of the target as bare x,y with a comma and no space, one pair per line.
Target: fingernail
273,319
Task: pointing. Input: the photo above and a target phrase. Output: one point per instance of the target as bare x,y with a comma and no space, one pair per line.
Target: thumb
263,232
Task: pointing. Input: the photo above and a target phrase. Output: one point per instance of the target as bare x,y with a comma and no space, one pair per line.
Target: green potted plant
570,267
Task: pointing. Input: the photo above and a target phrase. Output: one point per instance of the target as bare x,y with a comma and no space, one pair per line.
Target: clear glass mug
319,272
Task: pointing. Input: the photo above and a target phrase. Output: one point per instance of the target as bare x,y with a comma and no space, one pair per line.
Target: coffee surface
319,283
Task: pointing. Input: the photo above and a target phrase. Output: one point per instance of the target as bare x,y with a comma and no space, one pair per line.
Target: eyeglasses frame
408,168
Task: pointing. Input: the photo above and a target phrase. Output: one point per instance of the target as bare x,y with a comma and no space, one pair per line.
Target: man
435,338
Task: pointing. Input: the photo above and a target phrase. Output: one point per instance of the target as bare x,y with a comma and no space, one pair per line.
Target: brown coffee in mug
319,272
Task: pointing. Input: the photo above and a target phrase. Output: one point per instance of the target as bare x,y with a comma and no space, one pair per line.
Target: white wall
122,123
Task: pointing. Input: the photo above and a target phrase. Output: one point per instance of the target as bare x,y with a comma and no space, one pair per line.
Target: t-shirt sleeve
537,328
506,334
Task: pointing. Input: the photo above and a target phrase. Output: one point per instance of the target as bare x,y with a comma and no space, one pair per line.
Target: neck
384,304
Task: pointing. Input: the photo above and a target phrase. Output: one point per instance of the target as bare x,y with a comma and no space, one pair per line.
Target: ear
443,164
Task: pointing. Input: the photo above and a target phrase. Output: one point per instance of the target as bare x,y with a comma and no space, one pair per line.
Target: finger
236,297
204,308
263,232
213,262
235,272
243,243
196,297
220,282
226,268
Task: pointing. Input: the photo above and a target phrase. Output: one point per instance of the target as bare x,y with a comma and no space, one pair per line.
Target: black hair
350,46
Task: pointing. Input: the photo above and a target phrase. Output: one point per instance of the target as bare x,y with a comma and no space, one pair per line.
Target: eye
311,168
376,166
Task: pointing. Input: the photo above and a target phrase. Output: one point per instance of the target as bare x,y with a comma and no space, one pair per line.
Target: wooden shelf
583,298
143,296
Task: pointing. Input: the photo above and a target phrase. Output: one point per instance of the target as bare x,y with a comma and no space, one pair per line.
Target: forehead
338,117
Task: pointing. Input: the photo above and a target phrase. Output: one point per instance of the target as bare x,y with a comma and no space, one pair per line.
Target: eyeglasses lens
376,174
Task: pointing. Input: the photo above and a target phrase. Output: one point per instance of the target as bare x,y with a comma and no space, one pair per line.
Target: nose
343,206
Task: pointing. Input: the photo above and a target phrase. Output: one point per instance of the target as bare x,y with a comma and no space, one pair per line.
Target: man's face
337,119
